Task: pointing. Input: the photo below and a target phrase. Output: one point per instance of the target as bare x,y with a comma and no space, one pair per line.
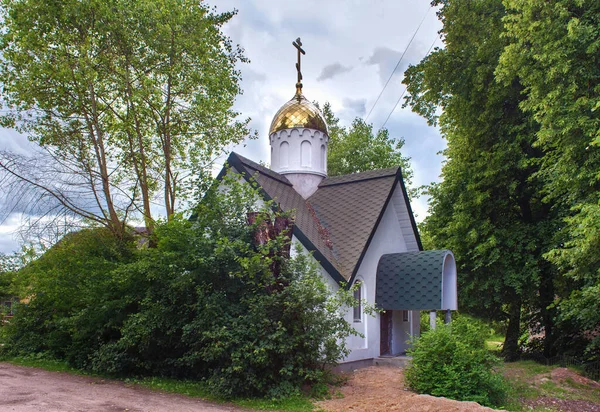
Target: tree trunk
114,223
546,291
166,139
510,350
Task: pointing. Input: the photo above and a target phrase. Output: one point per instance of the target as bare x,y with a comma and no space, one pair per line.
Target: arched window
305,153
323,157
284,154
358,310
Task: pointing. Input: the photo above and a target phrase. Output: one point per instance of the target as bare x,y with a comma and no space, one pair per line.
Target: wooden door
386,332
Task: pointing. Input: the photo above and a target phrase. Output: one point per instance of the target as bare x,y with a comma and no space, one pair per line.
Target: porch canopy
424,280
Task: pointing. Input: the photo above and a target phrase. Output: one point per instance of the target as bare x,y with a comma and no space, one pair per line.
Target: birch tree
129,101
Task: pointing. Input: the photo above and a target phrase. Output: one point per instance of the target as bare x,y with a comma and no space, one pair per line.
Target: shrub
70,279
452,361
202,303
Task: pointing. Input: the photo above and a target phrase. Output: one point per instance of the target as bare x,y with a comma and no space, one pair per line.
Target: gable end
397,180
235,162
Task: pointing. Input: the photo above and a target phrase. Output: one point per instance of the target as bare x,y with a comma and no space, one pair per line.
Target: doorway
385,333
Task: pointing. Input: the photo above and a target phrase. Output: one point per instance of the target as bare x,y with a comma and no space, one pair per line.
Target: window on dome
305,153
284,155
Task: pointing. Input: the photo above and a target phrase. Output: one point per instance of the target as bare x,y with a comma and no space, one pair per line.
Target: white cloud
8,240
332,70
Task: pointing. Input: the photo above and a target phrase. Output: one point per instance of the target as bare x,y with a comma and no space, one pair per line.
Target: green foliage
518,84
41,361
203,304
554,51
490,208
359,148
61,288
453,361
6,267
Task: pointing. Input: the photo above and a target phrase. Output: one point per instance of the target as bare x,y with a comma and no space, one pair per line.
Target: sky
352,48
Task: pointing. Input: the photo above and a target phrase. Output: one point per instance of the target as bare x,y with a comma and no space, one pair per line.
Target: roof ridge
262,169
356,177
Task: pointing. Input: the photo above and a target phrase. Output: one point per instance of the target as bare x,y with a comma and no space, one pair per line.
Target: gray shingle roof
410,281
349,211
338,220
353,177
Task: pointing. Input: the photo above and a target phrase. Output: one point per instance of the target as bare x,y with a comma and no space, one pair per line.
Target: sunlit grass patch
43,363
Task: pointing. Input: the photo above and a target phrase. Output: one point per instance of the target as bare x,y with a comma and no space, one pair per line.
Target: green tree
554,51
489,208
358,148
7,267
71,279
130,100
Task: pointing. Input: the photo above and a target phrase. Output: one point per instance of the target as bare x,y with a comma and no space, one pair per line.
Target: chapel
359,228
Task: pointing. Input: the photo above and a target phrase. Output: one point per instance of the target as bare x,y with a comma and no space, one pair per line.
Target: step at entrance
393,361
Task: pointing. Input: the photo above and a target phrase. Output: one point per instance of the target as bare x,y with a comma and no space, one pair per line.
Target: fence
592,370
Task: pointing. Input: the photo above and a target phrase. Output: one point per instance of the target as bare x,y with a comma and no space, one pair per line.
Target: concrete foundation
389,361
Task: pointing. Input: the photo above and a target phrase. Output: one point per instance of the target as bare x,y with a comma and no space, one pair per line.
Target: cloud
359,106
332,70
387,59
8,241
15,142
250,76
351,109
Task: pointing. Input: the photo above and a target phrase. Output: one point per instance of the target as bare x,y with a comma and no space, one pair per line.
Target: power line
404,91
398,64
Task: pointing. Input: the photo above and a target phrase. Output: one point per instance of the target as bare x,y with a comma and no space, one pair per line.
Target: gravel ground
561,405
381,389
25,389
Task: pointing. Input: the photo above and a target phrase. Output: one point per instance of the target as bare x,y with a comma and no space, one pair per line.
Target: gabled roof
339,220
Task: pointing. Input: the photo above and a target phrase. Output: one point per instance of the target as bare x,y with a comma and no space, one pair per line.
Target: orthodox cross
298,45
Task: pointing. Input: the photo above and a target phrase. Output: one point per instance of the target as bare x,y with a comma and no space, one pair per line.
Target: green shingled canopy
423,280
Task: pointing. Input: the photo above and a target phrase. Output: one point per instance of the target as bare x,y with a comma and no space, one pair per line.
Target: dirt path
25,389
380,389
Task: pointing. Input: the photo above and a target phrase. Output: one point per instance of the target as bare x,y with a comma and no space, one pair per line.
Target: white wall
329,281
388,238
401,332
304,183
449,279
299,150
234,174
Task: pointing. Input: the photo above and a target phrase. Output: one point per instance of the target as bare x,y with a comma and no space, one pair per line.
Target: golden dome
298,112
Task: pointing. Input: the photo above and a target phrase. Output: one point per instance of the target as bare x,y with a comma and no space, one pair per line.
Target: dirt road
29,389
382,389
374,389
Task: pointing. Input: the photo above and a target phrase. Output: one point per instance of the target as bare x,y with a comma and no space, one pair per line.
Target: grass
198,389
296,404
494,343
46,364
195,389
531,380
